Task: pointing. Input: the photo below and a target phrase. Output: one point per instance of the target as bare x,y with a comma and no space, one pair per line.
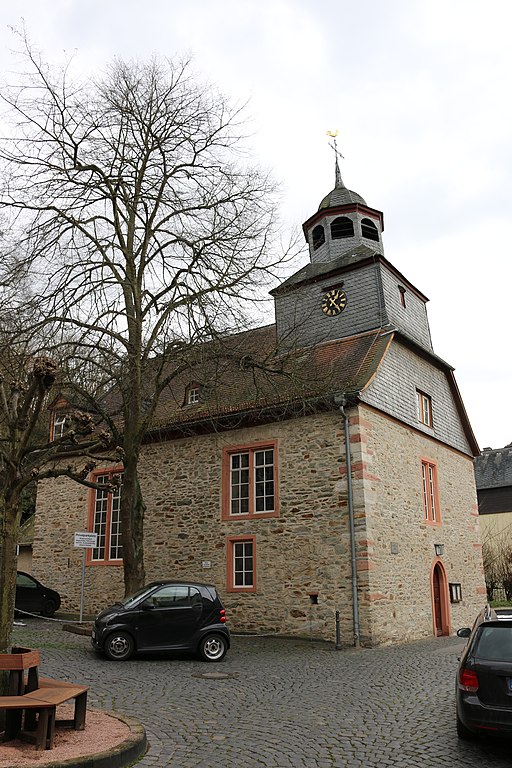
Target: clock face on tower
334,302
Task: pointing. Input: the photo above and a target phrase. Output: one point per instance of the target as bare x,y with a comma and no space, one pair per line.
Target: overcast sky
420,93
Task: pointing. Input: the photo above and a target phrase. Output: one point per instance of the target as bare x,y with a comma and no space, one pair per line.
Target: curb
130,750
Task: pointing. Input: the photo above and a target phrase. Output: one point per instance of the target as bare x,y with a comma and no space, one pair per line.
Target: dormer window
318,237
342,227
402,296
58,425
193,394
369,230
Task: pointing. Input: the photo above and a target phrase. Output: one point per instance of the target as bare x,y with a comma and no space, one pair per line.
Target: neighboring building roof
493,468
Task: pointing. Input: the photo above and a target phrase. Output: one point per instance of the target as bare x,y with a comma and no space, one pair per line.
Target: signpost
84,539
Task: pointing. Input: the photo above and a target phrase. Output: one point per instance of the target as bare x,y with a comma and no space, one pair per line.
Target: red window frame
250,481
430,492
110,501
237,556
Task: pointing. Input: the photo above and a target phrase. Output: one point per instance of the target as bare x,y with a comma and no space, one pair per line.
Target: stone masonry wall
399,599
302,552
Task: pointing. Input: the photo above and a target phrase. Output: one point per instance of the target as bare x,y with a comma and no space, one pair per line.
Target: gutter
341,402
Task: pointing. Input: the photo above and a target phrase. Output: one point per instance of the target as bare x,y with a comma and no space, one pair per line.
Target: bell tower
348,287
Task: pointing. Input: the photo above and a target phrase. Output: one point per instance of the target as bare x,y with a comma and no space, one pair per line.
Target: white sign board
207,563
85,539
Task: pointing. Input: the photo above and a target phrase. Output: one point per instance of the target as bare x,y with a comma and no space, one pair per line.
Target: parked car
484,677
164,616
33,597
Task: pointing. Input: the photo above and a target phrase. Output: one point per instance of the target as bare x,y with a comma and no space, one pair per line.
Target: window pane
243,570
264,481
116,548
240,484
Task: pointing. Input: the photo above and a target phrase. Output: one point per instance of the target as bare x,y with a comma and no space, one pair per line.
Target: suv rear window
494,643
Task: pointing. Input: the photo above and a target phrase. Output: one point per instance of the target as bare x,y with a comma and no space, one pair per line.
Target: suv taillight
223,616
468,680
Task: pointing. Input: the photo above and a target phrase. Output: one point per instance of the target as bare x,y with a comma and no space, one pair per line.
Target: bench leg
80,710
13,718
42,728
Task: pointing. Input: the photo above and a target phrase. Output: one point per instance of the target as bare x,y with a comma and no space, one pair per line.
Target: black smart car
483,688
164,616
34,597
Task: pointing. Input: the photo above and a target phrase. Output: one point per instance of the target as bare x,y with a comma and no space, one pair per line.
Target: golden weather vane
337,153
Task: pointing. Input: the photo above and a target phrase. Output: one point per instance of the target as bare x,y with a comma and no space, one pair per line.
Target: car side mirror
147,606
463,632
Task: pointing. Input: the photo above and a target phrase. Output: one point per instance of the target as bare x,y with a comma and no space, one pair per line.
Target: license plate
93,634
510,683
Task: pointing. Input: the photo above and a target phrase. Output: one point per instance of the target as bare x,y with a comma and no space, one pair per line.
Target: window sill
250,516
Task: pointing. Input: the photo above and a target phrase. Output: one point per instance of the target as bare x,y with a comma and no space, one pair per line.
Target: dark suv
164,616
484,678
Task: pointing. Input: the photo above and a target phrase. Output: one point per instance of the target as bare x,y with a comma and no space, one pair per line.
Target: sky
419,91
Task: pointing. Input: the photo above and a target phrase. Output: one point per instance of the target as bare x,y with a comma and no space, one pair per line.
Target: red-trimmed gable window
193,393
250,481
105,520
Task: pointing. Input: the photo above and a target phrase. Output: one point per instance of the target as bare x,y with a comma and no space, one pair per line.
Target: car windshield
494,643
131,599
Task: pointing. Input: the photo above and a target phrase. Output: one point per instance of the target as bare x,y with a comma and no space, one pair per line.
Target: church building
336,480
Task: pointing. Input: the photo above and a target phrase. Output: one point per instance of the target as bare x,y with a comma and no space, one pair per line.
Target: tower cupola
343,225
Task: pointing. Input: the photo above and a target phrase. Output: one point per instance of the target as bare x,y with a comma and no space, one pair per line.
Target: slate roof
493,468
243,374
312,272
340,195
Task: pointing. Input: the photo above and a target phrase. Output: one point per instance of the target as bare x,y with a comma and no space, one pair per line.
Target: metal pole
82,589
338,635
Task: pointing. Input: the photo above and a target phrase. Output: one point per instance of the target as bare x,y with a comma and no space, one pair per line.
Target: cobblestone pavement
289,703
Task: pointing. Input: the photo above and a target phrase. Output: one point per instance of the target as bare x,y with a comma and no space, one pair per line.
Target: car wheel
119,646
48,609
213,648
464,733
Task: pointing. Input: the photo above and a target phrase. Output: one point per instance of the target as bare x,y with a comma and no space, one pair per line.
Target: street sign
85,539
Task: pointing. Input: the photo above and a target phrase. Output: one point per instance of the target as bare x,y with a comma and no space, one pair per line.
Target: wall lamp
439,548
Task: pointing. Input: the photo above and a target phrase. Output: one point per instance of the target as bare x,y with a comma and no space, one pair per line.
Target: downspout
341,401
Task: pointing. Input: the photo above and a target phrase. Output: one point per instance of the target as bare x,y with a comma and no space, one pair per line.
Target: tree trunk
132,526
8,540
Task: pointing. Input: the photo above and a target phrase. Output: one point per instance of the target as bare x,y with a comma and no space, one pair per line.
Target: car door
169,618
28,596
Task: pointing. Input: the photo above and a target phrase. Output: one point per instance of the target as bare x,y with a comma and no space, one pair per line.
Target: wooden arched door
440,601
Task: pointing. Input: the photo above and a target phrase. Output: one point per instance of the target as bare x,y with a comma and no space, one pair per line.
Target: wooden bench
32,701
43,703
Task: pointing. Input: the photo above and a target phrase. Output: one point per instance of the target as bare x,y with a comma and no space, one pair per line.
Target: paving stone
287,704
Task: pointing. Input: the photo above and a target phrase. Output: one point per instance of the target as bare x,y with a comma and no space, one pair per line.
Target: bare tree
26,455
146,228
497,561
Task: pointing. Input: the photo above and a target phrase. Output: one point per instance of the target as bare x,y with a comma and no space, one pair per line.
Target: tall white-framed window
250,481
105,521
430,492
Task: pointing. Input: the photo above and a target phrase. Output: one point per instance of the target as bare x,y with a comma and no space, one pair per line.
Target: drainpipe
341,401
